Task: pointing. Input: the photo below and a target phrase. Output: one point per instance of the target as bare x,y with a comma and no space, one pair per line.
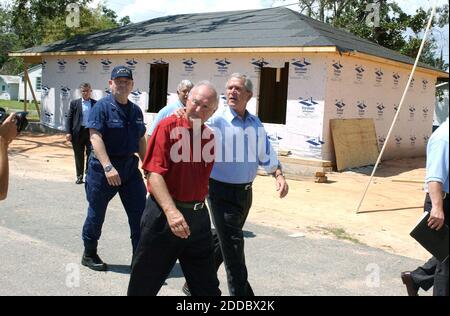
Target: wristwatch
108,168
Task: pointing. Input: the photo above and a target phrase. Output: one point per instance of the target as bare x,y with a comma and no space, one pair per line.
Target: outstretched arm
8,131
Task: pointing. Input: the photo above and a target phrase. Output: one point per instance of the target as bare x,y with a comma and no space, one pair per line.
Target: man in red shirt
176,224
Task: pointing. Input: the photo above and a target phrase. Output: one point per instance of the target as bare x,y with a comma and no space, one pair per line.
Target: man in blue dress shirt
77,131
434,273
183,89
242,146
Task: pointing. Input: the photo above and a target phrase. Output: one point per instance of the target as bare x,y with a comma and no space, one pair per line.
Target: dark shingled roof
273,27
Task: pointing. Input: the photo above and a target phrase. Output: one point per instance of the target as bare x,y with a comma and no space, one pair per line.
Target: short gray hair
185,84
206,83
85,85
247,82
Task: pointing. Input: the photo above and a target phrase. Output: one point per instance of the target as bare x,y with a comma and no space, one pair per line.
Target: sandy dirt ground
314,210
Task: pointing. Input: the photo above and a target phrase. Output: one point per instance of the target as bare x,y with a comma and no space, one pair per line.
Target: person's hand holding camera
8,129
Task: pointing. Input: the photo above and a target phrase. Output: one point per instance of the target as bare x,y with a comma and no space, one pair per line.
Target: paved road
40,246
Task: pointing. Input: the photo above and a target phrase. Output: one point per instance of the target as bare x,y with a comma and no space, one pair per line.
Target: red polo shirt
187,172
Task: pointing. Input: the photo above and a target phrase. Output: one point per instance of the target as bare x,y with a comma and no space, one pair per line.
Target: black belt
196,206
243,186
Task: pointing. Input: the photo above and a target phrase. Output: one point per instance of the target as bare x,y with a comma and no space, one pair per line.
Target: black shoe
186,290
79,180
93,262
408,281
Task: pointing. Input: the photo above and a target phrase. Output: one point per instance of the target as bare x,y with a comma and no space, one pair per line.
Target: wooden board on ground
355,143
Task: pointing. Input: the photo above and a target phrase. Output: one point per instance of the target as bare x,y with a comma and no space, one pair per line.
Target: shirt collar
231,114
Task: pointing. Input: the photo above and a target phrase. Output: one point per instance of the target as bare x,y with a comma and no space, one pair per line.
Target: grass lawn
15,106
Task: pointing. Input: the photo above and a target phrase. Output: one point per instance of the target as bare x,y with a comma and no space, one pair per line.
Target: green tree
91,20
28,23
351,16
8,42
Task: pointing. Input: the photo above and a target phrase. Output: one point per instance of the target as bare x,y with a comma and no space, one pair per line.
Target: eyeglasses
199,103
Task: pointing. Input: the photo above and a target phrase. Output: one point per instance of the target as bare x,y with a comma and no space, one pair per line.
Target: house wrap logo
45,91
425,112
411,85
380,110
359,71
61,65
412,140
131,63
378,76
381,141
159,62
189,65
65,92
315,143
48,116
426,139
412,112
136,96
44,65
308,105
259,64
398,140
396,78
222,66
83,64
425,84
274,138
337,69
339,107
106,64
361,105
301,66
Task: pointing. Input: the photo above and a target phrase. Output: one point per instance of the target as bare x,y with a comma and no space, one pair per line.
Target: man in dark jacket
77,133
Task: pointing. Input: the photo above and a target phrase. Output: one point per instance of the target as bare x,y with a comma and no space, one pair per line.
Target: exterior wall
314,90
33,75
364,89
11,90
62,76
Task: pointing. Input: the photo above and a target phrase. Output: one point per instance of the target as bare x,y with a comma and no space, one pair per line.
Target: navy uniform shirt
121,126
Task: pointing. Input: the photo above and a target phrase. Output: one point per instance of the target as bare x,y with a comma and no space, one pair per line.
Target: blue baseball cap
121,72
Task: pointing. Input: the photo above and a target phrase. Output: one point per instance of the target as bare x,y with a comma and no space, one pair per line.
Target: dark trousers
82,150
98,192
230,205
433,272
159,249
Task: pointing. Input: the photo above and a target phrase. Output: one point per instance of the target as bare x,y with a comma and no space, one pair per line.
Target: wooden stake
34,97
400,105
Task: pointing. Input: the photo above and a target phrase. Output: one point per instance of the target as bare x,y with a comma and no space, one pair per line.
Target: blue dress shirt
164,113
438,157
86,108
241,146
